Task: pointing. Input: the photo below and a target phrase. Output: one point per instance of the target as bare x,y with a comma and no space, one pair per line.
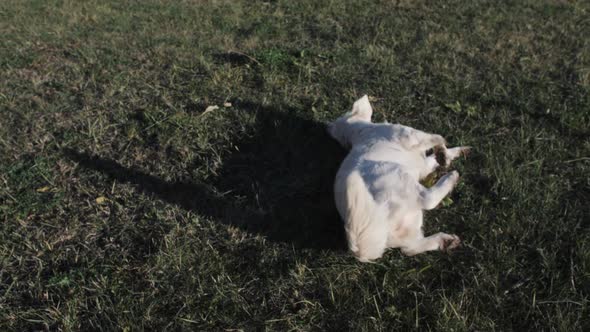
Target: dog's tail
360,224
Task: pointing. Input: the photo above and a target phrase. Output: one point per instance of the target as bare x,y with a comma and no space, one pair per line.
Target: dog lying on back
377,188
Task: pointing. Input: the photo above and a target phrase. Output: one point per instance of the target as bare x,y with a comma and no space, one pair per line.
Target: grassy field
125,205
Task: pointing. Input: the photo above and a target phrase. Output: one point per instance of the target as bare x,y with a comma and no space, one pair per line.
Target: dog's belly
389,182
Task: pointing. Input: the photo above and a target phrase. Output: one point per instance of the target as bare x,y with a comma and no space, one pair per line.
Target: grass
125,206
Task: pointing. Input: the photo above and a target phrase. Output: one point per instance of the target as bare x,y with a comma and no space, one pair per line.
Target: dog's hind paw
450,242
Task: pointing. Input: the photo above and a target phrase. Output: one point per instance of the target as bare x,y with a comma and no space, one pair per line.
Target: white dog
377,188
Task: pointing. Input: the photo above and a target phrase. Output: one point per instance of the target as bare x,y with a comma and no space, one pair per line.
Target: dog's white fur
377,188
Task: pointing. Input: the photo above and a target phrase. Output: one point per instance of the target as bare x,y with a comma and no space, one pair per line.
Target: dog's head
340,129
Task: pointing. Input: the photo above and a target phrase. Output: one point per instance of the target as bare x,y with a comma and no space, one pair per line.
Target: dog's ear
362,108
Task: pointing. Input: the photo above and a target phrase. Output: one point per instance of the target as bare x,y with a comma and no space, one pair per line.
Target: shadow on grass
278,182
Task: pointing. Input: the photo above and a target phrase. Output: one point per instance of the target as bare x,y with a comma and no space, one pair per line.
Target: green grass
124,206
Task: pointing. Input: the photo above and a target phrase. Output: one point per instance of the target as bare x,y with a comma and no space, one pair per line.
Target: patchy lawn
126,203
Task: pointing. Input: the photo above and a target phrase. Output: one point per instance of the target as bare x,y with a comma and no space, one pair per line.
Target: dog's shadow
277,183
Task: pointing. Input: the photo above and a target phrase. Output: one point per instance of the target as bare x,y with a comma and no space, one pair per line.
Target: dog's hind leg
372,245
438,241
430,197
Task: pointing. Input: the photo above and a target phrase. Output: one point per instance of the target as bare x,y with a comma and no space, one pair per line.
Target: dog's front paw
451,178
454,176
